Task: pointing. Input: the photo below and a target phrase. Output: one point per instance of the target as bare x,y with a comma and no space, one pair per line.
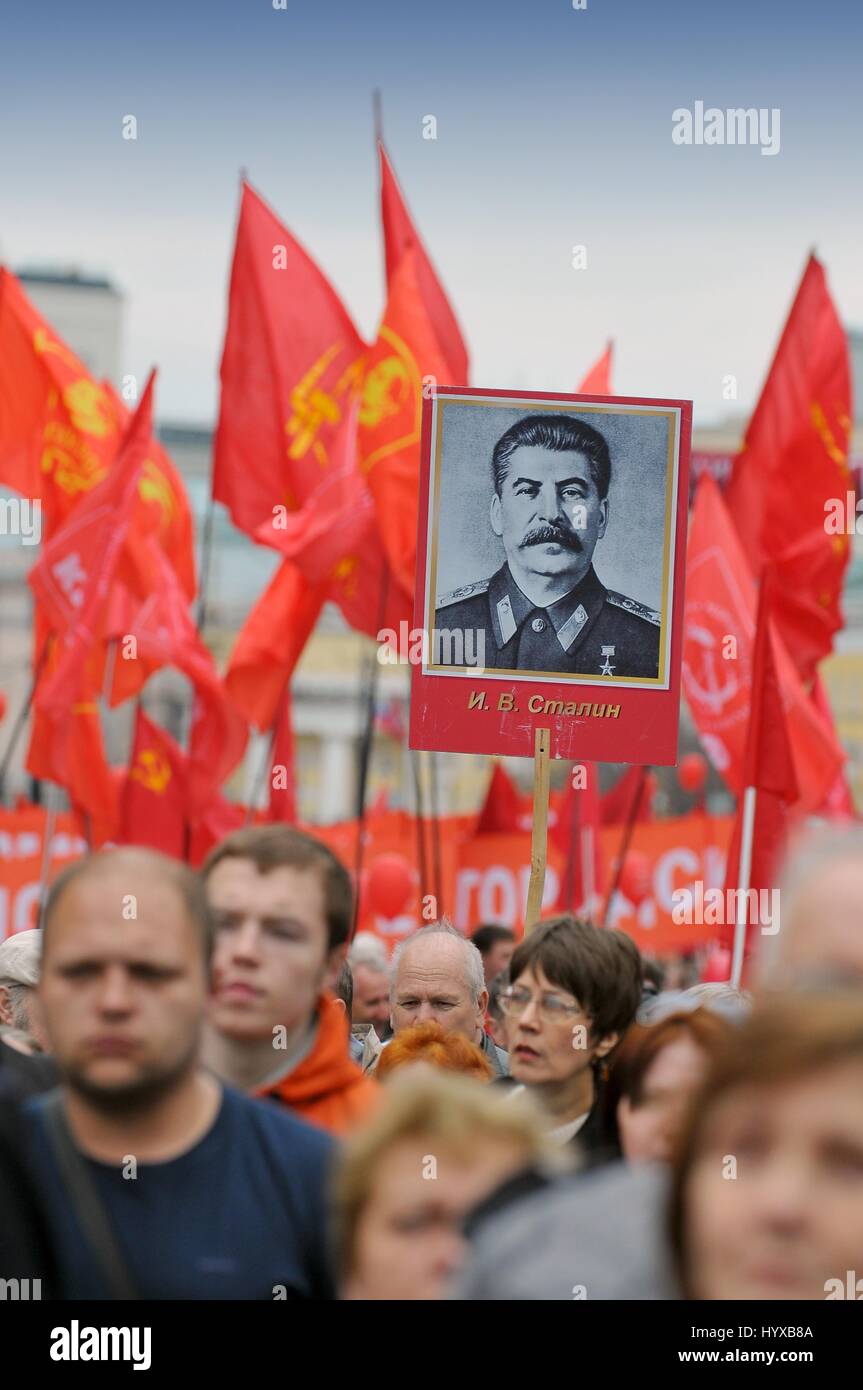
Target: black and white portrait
551,536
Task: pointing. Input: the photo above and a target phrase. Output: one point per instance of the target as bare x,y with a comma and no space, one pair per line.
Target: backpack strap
86,1203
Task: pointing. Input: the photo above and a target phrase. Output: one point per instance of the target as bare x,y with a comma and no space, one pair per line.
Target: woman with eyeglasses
575,990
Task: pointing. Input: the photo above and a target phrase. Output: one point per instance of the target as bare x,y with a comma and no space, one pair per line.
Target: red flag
405,355
220,817
401,236
768,768
502,805
793,461
598,379
165,634
271,642
768,762
283,790
153,800
718,648
619,802
60,431
292,364
291,359
576,834
162,507
337,517
76,568
66,747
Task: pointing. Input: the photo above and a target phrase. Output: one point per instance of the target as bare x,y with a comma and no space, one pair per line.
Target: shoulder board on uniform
631,605
467,591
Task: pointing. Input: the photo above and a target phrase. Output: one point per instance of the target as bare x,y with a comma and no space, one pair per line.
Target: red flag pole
634,809
588,865
436,850
51,800
23,714
743,875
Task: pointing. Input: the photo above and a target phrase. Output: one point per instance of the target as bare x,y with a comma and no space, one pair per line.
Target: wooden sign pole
539,832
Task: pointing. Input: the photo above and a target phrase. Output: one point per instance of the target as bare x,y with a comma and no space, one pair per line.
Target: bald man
438,974
209,1194
821,924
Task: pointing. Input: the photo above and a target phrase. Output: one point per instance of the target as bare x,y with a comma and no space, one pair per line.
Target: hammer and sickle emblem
386,390
312,408
709,690
152,770
88,407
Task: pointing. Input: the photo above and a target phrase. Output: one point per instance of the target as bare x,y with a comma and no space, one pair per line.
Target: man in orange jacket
282,904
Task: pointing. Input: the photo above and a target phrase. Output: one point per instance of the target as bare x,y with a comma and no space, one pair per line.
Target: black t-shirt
26,1255
22,1075
241,1215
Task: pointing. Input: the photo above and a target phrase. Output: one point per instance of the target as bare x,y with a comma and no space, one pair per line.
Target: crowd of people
209,1090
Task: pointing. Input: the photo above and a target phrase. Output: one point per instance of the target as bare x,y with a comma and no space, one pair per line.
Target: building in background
86,311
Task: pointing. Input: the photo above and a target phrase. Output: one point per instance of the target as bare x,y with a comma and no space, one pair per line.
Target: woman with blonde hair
438,1145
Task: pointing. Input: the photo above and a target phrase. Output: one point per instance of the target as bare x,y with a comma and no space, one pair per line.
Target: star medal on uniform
607,669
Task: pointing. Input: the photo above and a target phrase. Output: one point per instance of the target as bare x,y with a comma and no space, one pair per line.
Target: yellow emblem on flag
152,769
155,487
391,402
89,408
46,345
386,391
314,406
344,572
819,420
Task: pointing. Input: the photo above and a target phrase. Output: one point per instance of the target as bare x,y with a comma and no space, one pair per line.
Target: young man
496,945
199,1191
282,905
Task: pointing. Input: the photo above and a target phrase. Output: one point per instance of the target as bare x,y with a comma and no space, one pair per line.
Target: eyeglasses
549,1007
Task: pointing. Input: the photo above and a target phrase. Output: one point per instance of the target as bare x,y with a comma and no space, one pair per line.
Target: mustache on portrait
545,535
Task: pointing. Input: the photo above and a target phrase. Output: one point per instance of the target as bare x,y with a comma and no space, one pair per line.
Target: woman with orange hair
427,1042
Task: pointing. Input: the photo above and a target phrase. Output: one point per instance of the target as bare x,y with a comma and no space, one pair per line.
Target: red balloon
2,706
717,967
389,885
636,879
692,772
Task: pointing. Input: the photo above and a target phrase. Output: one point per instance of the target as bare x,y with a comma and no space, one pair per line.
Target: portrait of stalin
546,609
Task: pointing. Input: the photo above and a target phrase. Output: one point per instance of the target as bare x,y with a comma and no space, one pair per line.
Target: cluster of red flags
317,446
317,456
115,577
764,580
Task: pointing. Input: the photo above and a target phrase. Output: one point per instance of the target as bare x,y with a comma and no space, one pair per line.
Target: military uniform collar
568,615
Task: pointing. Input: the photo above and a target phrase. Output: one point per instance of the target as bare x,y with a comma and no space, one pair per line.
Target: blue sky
553,129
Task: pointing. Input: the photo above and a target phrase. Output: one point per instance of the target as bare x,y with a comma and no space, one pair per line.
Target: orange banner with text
22,834
470,878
